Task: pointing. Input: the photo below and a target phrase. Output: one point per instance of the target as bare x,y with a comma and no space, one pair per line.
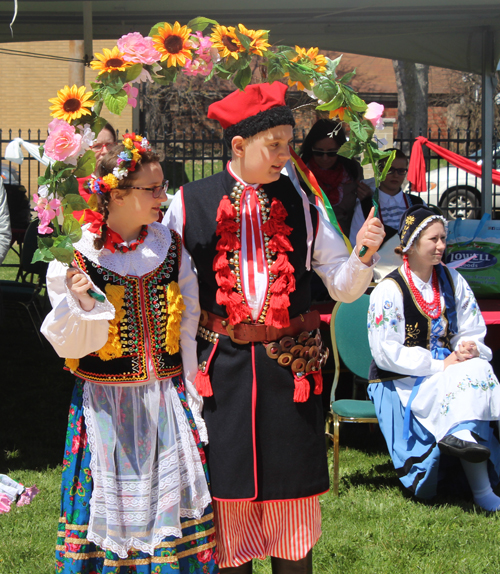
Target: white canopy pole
488,77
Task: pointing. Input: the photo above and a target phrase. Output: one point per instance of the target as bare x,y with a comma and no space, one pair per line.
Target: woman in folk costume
434,391
134,489
255,242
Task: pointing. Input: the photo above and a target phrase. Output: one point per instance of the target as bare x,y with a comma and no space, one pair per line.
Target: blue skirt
194,553
418,461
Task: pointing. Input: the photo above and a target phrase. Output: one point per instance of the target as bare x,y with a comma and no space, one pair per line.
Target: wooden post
76,69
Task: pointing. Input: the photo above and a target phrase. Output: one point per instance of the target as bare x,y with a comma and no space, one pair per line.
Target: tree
412,81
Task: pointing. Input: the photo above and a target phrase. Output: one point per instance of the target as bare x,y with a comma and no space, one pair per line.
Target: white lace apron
145,465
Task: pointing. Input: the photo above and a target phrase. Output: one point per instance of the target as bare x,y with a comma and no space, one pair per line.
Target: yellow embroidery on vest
113,347
175,308
72,364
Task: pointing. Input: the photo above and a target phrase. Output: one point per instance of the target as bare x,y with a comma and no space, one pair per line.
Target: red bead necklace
432,308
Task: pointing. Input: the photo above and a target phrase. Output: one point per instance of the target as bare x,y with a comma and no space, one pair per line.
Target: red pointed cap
241,105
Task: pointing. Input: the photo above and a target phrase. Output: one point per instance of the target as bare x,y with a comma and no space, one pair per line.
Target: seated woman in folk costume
436,396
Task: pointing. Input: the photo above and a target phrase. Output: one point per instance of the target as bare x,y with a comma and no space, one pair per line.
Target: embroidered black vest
201,200
142,331
417,325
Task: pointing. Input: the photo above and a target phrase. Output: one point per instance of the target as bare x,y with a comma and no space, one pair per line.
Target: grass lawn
373,527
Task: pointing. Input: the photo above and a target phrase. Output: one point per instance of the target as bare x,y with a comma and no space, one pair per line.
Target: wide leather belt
244,333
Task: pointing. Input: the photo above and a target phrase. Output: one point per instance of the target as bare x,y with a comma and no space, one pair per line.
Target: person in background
393,202
5,229
337,176
436,397
104,140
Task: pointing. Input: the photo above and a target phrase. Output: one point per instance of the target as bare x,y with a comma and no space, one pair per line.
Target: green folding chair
350,343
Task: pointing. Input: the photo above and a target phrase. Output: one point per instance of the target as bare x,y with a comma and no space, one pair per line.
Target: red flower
204,556
379,319
76,444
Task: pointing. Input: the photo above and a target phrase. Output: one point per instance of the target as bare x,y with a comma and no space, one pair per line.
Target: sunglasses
399,171
155,191
321,153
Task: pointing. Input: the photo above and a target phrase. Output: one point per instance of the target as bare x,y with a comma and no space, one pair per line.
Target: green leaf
69,185
222,72
43,254
200,23
74,202
133,72
243,77
331,65
98,107
334,104
42,180
85,165
359,130
154,29
72,228
167,73
299,73
245,40
63,249
116,102
98,124
356,103
45,241
387,165
41,150
347,77
325,89
275,70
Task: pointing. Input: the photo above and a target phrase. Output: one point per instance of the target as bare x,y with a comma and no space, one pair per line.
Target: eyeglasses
99,146
399,171
321,153
155,191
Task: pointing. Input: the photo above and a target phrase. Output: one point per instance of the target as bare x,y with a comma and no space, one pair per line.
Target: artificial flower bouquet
167,53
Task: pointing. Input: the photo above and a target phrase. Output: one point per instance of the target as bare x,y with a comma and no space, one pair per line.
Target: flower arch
201,47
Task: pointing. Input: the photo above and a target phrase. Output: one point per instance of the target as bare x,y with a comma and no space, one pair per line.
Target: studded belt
243,333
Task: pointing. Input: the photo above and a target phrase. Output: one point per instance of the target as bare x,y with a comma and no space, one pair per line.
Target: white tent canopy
458,34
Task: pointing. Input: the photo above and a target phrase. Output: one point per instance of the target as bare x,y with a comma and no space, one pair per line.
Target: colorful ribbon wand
312,183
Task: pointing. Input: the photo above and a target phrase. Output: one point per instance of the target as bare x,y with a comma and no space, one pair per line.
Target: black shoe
469,451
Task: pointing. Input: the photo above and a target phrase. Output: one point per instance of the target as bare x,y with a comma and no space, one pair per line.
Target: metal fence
193,155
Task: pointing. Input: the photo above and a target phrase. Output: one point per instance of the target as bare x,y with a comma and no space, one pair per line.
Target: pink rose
138,49
374,115
132,94
63,141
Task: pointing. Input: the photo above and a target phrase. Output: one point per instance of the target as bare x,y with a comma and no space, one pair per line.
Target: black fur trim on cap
263,121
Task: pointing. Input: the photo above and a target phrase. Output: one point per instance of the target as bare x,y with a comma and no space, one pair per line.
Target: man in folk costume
255,243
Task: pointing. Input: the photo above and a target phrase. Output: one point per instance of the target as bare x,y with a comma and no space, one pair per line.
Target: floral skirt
194,553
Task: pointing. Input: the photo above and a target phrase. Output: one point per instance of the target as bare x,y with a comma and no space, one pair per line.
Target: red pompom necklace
432,308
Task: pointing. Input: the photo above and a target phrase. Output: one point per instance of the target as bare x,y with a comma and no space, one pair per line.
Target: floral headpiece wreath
167,53
135,146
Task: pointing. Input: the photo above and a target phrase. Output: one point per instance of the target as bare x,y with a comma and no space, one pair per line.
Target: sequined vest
142,331
417,324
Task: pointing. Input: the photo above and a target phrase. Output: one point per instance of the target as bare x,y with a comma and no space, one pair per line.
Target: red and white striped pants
284,529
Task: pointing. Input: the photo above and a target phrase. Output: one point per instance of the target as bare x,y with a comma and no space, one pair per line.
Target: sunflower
226,41
71,103
110,61
173,44
312,55
258,37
